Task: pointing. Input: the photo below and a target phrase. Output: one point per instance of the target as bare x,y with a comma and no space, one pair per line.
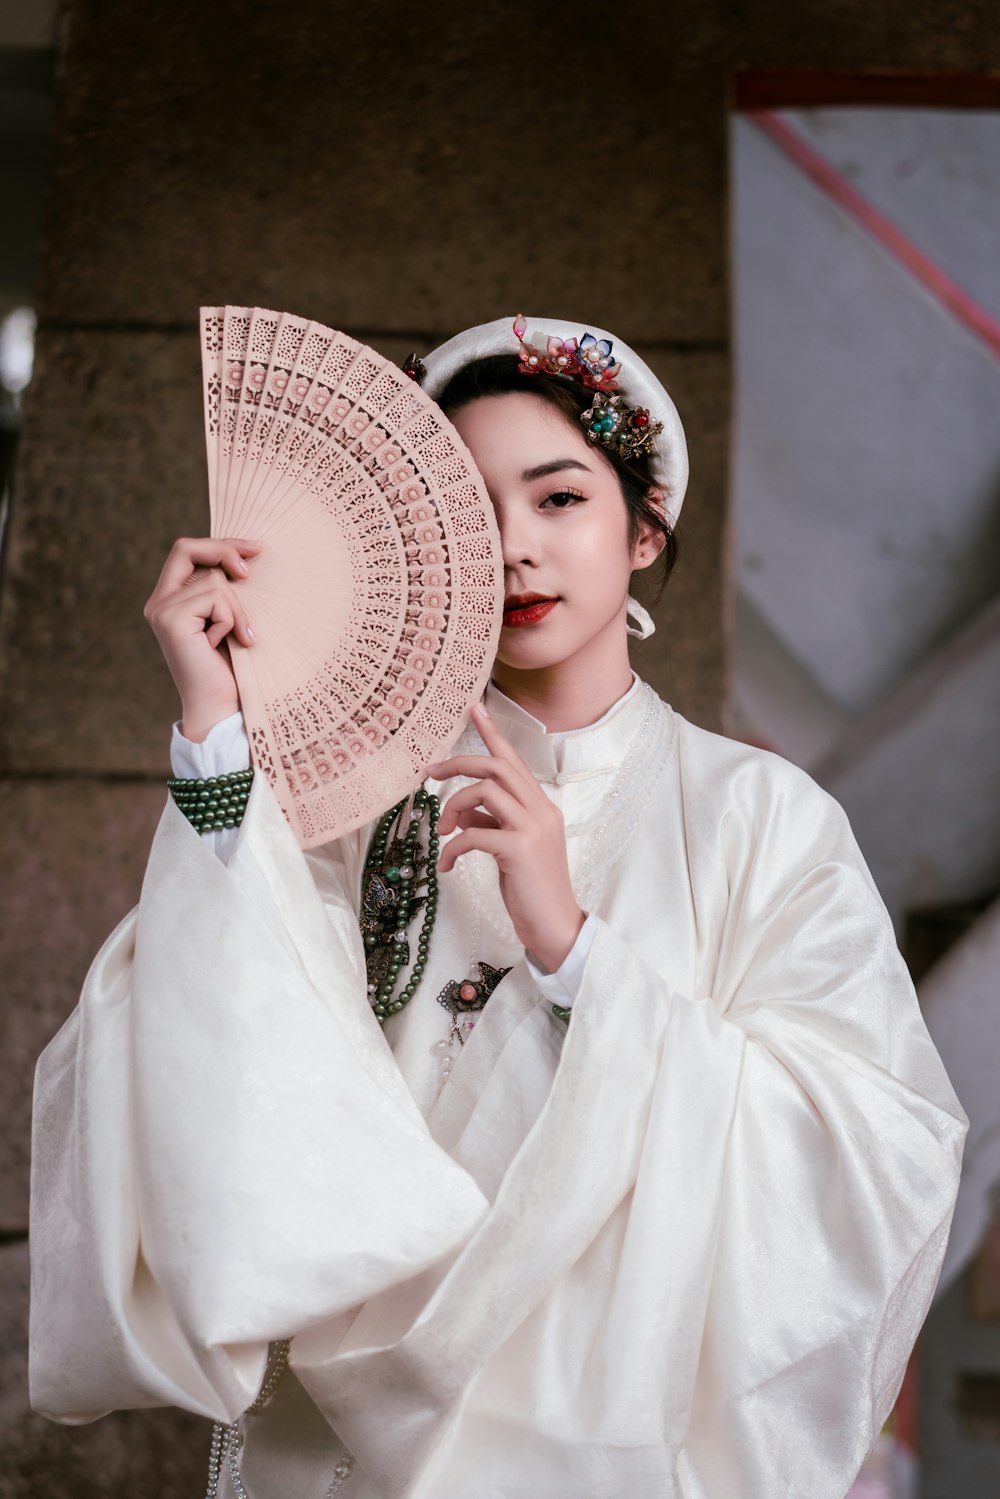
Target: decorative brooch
609,420
462,997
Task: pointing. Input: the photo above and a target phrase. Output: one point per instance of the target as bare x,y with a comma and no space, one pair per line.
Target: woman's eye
562,499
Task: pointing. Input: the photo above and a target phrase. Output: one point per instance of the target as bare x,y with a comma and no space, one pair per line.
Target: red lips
527,608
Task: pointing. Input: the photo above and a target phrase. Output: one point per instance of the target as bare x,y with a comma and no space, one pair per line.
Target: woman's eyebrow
552,467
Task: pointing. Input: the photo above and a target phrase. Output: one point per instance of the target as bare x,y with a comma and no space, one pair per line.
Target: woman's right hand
192,609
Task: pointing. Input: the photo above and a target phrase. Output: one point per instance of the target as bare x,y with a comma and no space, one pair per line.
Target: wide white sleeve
796,1160
224,1149
833,1198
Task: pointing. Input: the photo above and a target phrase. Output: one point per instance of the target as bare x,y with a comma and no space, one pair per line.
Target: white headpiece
633,379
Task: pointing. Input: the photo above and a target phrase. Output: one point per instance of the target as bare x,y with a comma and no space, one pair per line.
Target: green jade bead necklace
394,871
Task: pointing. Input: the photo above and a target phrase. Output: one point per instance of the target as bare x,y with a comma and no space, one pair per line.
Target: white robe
679,1247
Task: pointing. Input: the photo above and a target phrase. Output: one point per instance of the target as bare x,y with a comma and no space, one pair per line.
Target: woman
666,1222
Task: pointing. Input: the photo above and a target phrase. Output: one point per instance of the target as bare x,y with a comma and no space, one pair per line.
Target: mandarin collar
573,754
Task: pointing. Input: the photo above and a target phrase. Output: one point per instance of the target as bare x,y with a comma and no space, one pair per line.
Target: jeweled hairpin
627,429
415,368
610,420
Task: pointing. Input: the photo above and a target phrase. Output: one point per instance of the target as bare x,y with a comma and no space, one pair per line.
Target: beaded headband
625,388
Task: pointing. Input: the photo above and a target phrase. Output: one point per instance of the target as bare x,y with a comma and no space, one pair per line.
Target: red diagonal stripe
931,277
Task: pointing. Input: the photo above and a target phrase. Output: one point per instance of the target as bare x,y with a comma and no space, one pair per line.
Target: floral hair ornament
604,364
590,359
627,430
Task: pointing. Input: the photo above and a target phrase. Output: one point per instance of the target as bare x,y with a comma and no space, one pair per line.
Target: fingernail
481,708
249,633
243,567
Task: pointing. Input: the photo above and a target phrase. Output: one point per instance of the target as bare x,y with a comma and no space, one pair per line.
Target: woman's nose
518,540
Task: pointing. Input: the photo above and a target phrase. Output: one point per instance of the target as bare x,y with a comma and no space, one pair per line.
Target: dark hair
500,374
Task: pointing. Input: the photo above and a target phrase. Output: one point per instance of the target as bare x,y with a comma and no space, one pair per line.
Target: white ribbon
641,616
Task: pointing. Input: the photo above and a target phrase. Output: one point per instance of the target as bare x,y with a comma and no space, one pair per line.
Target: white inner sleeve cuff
562,987
225,748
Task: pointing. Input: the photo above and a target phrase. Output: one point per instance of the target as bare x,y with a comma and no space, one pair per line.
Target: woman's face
564,533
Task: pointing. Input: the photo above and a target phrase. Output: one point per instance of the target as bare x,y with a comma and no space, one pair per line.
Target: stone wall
397,171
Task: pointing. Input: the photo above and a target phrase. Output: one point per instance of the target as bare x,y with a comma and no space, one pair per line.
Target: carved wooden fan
377,597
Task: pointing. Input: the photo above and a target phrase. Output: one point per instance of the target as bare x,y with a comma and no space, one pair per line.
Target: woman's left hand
507,814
